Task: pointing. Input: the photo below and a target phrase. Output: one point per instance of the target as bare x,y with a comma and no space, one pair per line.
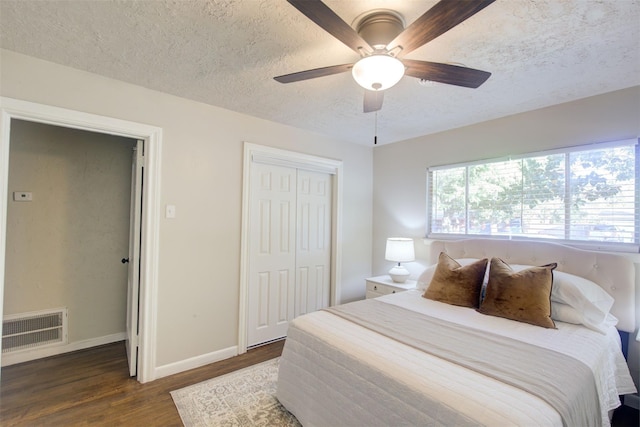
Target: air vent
35,329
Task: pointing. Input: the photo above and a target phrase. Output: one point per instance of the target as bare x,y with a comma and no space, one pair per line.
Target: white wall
202,176
64,247
399,198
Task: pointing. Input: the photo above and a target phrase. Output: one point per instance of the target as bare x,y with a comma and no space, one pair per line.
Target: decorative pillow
427,275
455,284
566,313
524,296
586,297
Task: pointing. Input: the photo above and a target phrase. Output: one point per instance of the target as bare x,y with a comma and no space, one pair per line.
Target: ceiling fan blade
327,19
445,15
312,74
445,73
373,100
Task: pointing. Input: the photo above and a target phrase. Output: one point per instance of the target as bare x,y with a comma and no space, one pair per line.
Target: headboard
614,273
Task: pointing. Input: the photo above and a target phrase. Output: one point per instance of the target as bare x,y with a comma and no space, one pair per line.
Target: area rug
242,398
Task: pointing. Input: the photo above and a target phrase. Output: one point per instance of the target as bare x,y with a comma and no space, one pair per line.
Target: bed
403,359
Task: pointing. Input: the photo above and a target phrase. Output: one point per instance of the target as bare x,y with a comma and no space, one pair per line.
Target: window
583,194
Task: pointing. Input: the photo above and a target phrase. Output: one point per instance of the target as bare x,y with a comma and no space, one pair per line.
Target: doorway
12,109
65,242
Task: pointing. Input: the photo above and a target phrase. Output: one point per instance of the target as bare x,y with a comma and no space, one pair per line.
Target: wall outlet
22,196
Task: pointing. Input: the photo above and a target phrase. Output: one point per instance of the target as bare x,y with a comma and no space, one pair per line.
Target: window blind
585,194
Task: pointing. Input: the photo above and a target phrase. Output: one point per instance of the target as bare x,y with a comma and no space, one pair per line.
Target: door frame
10,109
279,157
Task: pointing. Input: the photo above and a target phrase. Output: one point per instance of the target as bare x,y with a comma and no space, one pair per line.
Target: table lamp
399,249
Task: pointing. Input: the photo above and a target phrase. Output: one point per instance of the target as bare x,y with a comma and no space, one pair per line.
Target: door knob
125,260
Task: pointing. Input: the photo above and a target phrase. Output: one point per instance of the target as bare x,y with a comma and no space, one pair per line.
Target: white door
272,250
313,250
289,248
133,287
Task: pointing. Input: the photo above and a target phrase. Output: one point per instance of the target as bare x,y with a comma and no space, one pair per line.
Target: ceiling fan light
378,72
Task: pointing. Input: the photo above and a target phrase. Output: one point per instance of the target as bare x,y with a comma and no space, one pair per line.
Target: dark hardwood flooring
92,387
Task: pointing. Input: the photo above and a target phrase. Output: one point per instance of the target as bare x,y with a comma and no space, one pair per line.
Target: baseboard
39,353
195,362
632,400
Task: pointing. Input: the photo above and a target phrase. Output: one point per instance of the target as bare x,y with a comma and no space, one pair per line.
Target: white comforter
334,372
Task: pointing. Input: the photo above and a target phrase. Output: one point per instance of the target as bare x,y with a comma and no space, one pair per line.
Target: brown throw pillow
524,296
455,284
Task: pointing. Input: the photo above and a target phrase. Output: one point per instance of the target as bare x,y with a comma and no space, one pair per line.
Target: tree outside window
583,194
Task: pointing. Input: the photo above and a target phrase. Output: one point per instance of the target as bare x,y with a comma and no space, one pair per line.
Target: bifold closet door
313,235
289,248
272,252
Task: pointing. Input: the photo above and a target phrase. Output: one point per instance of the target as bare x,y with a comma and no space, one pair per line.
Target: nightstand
383,285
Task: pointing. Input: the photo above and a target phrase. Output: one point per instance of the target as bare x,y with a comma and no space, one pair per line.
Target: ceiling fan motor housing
379,27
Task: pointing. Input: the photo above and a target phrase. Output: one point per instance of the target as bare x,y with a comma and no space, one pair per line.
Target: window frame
633,247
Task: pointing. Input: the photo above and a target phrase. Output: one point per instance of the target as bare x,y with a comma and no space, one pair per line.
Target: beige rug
242,398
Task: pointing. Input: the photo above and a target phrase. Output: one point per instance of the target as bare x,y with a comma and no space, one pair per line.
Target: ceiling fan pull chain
375,130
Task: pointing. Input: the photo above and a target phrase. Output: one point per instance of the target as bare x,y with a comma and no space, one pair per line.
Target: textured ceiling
226,53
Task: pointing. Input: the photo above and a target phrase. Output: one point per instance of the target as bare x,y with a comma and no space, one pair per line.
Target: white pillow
568,314
427,275
589,299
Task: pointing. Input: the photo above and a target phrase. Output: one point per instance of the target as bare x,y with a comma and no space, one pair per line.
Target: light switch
170,211
22,196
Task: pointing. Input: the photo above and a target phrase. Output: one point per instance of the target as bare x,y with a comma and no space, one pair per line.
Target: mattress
335,372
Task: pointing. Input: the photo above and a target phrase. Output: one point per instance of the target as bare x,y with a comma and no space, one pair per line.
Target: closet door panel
313,251
272,252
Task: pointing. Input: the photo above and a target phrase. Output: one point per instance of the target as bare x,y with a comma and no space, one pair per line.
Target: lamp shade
399,249
378,72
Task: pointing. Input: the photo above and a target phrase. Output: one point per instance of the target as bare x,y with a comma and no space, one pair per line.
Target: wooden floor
93,387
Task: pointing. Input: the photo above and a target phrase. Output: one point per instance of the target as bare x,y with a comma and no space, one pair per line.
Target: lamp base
399,274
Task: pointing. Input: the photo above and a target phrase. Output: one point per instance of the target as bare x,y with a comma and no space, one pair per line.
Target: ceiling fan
382,41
